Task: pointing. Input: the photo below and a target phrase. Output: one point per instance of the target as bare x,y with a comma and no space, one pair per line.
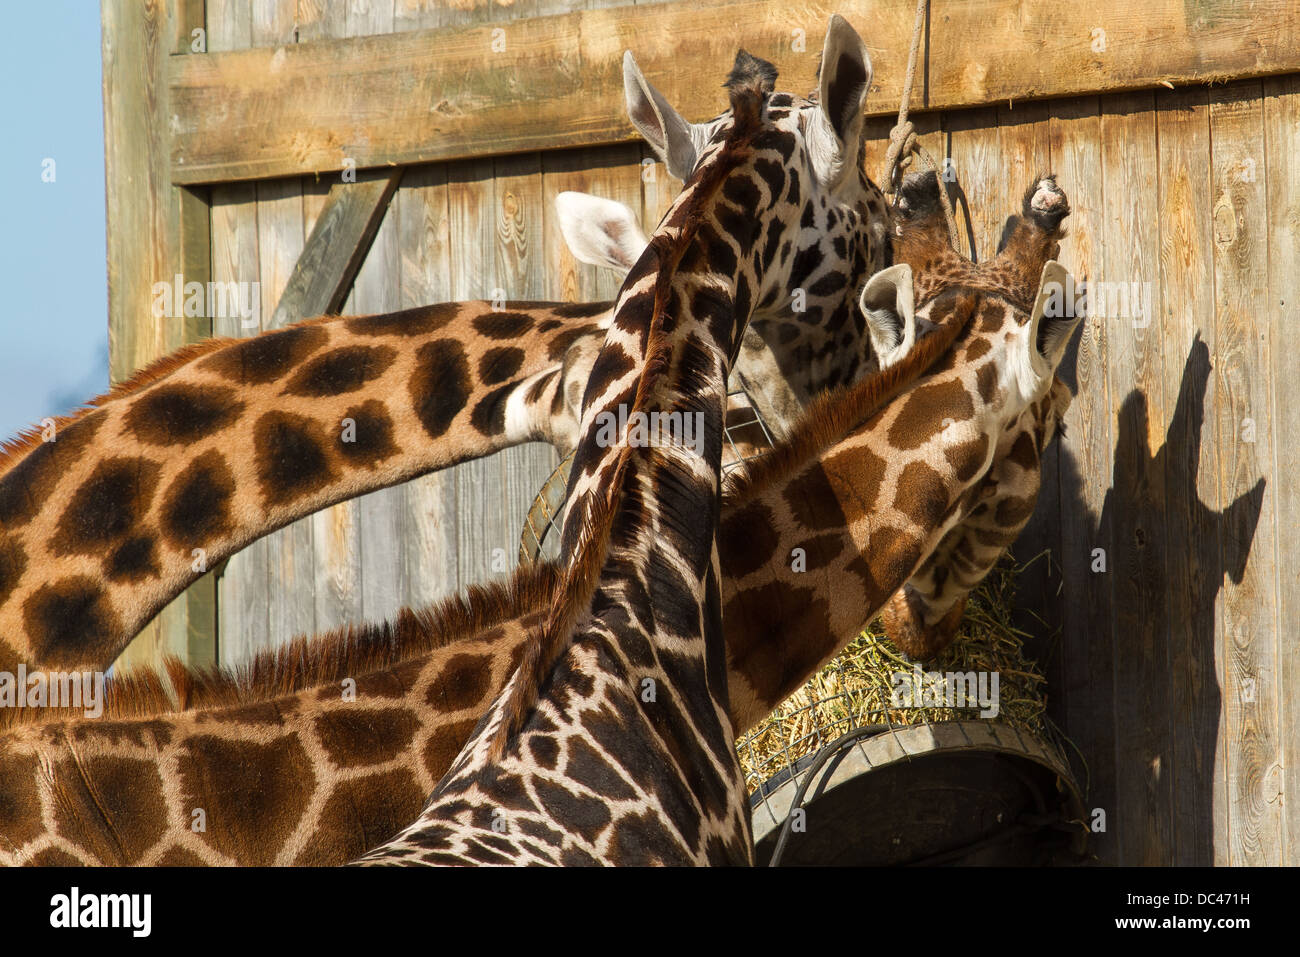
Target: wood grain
1136,499
1282,147
425,95
281,230
472,214
336,531
1191,468
378,289
1085,475
431,508
1243,409
338,244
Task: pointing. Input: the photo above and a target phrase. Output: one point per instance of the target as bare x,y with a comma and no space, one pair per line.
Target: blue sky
54,321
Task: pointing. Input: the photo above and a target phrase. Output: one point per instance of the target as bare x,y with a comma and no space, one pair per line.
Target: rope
903,141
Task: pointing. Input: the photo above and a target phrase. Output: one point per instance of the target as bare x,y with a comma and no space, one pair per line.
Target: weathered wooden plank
338,244
335,531
1191,468
1282,147
234,255
274,22
382,512
1136,501
429,560
155,231
320,19
230,25
1085,470
1024,152
520,212
280,231
289,551
370,18
471,213
930,133
972,141
242,584
1246,437
420,15
556,81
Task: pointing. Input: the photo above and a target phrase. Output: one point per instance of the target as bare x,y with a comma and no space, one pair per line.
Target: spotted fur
424,682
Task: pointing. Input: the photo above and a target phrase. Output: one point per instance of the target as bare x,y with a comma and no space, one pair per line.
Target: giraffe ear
600,231
664,128
1058,308
889,306
842,84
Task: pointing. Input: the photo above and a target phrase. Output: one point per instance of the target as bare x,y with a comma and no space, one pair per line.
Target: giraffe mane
350,651
574,595
835,413
15,448
12,450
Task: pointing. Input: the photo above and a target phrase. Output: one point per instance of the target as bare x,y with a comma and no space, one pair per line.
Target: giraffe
225,441
943,480
794,353
611,741
606,233
123,789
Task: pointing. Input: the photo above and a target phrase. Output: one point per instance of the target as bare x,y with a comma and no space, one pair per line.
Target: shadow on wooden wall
1199,546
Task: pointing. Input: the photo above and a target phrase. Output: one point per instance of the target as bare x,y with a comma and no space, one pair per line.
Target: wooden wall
454,231
1172,669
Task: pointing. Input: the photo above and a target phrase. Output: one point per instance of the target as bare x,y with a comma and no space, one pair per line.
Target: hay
858,687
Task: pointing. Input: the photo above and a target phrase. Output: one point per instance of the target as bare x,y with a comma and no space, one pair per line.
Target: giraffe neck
357,771
314,777
806,494
127,503
638,609
86,613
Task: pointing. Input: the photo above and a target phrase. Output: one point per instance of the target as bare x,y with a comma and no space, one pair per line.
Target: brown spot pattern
925,407
106,506
196,506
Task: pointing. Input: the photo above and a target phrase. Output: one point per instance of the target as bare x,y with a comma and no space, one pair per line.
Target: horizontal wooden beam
555,82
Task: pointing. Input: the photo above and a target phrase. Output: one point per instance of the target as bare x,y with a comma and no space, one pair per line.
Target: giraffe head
823,225
776,201
995,401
